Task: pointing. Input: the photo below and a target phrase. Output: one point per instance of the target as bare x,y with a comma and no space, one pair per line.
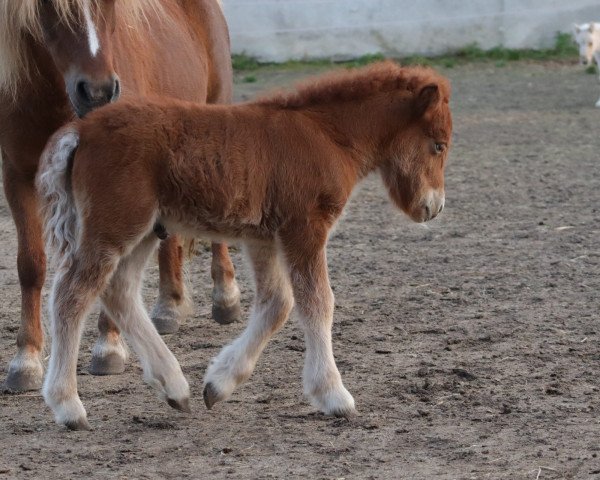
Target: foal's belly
218,231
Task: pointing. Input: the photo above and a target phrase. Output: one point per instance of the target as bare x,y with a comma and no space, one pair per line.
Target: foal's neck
357,126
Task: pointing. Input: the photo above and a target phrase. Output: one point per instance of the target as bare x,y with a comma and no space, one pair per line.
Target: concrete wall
278,30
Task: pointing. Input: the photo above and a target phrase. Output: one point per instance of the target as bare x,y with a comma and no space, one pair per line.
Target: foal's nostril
441,208
427,212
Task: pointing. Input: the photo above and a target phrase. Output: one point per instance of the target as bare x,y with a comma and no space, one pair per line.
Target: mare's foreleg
174,303
226,294
272,305
110,351
25,370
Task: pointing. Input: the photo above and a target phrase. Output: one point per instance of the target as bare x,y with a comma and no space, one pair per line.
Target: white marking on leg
93,41
322,380
27,362
227,294
104,347
167,308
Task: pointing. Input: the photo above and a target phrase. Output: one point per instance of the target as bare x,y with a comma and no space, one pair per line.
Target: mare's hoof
24,380
165,324
226,314
81,424
211,395
111,364
181,405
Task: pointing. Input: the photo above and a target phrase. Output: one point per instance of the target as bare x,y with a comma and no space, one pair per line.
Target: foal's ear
427,97
576,28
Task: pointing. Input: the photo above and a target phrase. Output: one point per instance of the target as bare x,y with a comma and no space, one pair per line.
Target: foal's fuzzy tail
56,197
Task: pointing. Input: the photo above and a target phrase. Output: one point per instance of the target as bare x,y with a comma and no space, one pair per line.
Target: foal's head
414,151
77,35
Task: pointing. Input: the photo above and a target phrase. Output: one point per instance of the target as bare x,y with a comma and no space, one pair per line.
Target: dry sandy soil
471,346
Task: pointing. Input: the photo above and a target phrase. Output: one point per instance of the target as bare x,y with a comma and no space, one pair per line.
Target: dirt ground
471,346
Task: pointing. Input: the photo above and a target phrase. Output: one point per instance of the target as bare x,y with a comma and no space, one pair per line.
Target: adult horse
60,57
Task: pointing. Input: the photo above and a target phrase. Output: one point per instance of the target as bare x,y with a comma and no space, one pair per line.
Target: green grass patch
591,69
563,49
244,63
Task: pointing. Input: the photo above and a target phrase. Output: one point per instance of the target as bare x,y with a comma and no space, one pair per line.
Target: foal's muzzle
87,95
431,206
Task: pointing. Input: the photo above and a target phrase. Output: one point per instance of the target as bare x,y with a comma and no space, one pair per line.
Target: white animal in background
587,36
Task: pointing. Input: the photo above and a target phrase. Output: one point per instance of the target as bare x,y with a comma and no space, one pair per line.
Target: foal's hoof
80,424
211,395
344,413
111,364
23,380
181,405
226,314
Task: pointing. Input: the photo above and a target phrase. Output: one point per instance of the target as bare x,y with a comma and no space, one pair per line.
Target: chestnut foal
60,57
273,174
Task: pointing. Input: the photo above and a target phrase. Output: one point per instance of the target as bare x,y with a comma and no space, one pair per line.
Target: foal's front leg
272,305
307,261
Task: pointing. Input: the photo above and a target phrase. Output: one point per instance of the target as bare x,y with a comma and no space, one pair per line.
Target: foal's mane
21,17
359,84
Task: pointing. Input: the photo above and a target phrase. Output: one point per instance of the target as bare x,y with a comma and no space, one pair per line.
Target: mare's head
588,41
414,150
74,37
77,35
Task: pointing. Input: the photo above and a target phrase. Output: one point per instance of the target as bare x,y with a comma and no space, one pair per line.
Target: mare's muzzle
87,95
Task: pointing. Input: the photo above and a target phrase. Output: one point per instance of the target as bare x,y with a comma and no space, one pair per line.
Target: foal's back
229,168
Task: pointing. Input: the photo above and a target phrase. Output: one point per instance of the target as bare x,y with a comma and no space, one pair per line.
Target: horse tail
53,182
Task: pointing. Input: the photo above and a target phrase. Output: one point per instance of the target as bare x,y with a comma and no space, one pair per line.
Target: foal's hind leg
272,305
74,290
305,254
174,303
226,294
123,301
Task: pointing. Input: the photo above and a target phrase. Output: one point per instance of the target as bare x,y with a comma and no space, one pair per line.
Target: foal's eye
439,147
